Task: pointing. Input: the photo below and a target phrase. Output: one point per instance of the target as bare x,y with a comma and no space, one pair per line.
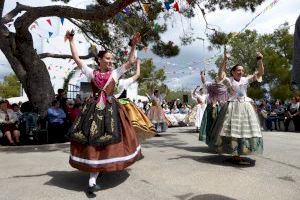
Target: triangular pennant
50,34
176,6
127,11
49,22
167,5
62,19
146,7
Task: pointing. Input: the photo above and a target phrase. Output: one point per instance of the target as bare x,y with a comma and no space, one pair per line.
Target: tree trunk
29,68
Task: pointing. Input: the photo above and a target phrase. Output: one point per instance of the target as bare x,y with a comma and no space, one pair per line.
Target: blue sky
190,59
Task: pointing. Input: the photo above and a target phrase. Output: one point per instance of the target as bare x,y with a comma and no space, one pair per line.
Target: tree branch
100,14
52,55
9,16
85,32
1,7
7,48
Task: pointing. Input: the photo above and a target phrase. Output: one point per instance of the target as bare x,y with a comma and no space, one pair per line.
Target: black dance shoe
90,192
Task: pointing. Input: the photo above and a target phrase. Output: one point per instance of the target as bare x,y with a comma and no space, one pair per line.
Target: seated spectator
78,99
75,112
184,109
174,110
8,121
56,122
166,109
16,109
140,105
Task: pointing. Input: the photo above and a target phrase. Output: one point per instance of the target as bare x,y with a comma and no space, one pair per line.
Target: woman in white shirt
237,129
102,137
199,108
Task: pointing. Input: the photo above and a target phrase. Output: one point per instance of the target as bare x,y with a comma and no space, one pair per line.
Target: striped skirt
237,130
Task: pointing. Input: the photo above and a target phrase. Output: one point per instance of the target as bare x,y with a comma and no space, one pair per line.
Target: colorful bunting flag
146,7
50,34
49,22
176,7
127,11
62,19
167,5
189,1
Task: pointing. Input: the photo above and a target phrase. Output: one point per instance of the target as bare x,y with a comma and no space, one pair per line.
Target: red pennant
176,6
49,21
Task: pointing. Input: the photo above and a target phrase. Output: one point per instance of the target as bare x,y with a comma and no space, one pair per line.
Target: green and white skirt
237,130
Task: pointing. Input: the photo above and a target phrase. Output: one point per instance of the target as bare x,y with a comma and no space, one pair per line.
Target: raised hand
136,39
259,56
69,35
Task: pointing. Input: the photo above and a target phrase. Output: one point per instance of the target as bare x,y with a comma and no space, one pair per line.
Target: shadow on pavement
211,197
78,181
217,160
35,148
175,143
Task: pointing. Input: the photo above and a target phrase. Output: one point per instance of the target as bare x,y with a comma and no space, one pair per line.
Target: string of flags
235,34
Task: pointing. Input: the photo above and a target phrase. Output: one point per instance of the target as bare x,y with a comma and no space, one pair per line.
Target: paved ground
176,166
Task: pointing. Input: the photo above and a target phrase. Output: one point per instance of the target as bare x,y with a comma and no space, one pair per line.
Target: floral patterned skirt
91,157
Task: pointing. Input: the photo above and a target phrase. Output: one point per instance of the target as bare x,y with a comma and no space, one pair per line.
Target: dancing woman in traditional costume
142,125
237,129
217,97
156,113
102,137
199,109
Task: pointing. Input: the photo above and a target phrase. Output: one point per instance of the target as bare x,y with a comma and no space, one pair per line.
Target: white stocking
93,178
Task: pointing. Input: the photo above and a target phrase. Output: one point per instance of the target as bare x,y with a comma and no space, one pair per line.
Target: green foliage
218,39
10,87
151,79
277,50
165,49
111,34
233,5
178,94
